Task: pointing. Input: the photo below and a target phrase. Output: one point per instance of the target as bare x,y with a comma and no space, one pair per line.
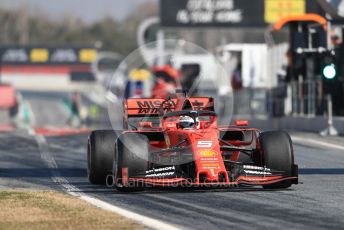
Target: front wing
242,180
249,175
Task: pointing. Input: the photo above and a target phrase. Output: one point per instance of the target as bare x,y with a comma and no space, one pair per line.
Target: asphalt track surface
316,203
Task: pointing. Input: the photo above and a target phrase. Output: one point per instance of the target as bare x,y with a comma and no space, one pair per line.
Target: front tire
100,155
131,154
278,155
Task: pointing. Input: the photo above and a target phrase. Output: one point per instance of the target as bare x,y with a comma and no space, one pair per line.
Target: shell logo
207,153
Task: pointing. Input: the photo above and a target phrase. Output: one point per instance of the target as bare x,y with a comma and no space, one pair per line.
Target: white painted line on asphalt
74,191
303,140
147,221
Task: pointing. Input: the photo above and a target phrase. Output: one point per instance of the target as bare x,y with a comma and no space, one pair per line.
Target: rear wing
140,107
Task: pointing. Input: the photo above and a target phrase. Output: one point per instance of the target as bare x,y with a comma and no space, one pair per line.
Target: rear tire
278,155
131,153
100,155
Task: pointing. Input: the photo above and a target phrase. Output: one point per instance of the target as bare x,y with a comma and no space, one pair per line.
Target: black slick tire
100,155
131,153
278,155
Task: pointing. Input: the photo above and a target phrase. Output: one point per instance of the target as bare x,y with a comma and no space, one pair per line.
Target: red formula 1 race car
177,142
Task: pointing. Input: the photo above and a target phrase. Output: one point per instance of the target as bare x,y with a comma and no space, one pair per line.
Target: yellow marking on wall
139,75
39,55
278,9
87,55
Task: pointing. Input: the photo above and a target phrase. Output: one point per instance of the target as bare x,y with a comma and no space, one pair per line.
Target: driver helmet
187,122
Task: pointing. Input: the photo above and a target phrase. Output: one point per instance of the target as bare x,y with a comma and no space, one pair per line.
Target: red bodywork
204,143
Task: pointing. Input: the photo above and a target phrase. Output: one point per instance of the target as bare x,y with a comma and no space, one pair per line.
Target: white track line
303,140
149,222
74,191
